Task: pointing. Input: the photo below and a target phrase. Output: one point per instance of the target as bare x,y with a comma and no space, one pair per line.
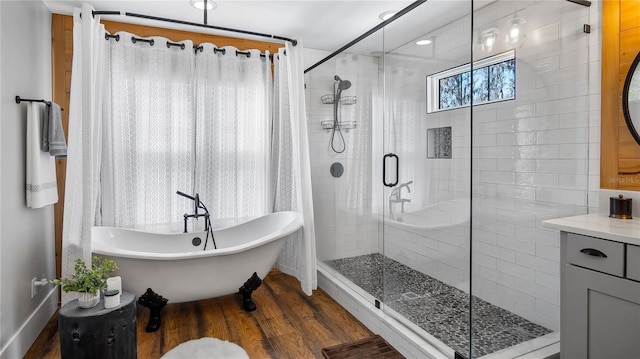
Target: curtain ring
243,53
150,42
109,36
180,45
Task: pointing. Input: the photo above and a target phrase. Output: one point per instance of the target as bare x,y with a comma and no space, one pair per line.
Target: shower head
342,84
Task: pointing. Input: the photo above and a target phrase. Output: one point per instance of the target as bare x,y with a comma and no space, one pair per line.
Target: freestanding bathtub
173,267
433,240
452,213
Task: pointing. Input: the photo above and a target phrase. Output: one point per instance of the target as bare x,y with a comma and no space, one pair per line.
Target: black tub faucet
196,215
396,197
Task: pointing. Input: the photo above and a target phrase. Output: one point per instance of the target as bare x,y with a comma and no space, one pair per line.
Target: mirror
631,99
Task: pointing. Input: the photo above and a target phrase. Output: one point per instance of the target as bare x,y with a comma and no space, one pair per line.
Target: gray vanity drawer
590,253
633,262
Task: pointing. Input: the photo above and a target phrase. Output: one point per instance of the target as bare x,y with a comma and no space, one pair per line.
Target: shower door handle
384,169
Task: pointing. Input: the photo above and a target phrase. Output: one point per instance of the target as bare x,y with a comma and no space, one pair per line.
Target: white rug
206,348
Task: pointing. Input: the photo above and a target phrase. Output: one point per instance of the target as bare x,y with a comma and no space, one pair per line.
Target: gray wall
27,235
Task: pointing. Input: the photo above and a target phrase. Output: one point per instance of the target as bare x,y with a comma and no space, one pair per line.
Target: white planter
88,300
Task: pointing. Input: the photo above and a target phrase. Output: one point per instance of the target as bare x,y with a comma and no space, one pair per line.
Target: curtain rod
581,2
366,34
196,48
149,17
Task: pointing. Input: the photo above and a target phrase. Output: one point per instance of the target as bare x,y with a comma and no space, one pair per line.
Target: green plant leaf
88,280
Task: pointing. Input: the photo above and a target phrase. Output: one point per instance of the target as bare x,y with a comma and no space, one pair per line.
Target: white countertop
599,225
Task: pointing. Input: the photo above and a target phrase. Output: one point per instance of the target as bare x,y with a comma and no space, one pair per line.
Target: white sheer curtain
85,120
291,169
232,137
177,120
149,132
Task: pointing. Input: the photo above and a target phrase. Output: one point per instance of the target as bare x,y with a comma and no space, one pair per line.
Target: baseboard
18,345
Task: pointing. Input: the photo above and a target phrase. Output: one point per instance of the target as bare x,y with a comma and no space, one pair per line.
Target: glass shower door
425,155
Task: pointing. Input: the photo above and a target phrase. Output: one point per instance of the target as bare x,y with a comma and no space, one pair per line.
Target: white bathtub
436,216
433,240
173,267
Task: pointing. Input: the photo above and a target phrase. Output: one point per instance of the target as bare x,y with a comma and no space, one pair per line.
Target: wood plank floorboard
287,324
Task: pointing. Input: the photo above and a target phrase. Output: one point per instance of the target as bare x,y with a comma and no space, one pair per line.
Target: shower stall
438,144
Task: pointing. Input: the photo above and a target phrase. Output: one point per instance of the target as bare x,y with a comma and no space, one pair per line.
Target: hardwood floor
287,324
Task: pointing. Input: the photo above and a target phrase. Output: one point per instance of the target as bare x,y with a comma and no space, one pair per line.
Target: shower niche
439,142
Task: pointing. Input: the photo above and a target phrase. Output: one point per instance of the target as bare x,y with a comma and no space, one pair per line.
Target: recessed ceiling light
423,42
488,38
514,31
199,4
387,14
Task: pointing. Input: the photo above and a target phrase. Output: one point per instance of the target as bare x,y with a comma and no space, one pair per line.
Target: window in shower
494,79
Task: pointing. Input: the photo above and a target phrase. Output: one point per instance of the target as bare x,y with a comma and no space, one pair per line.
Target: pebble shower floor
438,308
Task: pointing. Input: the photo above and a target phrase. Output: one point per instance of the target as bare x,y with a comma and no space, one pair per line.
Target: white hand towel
41,186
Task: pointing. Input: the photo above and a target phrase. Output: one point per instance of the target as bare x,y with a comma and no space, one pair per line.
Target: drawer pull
593,252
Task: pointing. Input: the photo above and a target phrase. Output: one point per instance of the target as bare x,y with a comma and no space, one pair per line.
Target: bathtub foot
247,289
155,303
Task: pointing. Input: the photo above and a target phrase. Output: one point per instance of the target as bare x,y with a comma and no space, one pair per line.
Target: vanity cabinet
600,298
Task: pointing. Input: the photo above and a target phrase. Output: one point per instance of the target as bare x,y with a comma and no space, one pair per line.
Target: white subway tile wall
546,153
345,226
532,159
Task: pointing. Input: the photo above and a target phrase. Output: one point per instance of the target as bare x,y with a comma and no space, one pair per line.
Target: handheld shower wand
339,86
195,199
342,84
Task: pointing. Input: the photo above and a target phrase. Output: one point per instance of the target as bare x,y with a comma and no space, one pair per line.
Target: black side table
98,332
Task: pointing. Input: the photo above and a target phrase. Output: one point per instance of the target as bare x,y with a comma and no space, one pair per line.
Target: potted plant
88,283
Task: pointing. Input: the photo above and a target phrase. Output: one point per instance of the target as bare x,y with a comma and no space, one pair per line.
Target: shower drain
410,295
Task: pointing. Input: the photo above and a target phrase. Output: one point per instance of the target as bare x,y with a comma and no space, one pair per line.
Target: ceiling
320,24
